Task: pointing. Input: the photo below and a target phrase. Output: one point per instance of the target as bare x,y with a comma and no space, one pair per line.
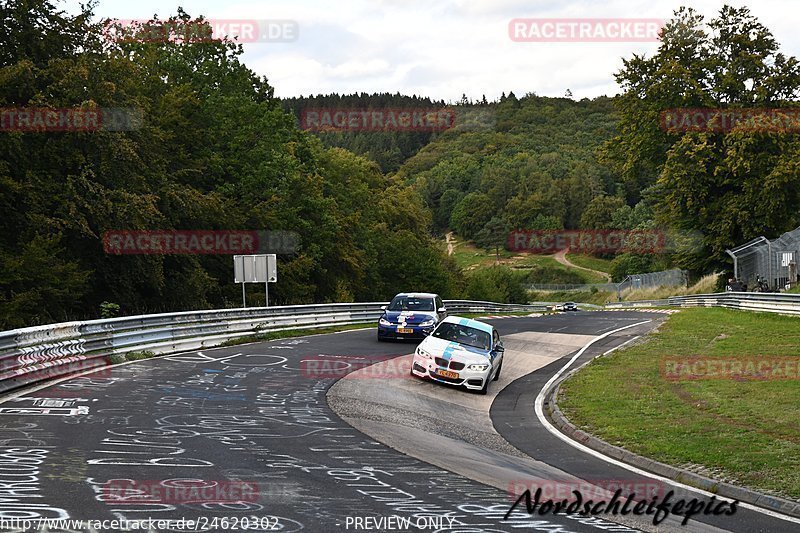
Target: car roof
417,295
483,326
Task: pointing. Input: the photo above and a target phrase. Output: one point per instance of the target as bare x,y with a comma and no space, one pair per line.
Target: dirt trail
449,238
561,257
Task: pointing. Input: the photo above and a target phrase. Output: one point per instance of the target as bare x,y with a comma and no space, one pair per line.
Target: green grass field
468,256
744,432
540,268
590,261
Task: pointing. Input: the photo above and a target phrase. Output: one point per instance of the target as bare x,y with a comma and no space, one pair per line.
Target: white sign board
262,268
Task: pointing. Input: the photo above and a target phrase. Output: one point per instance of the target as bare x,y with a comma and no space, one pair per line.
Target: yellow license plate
446,373
405,330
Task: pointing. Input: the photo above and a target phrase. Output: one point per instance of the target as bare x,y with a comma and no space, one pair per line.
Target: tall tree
731,185
493,235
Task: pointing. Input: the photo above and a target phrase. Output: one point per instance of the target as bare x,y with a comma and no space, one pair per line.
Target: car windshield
463,335
410,303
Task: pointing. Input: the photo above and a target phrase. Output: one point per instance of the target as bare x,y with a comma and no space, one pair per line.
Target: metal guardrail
637,303
30,355
788,304
38,353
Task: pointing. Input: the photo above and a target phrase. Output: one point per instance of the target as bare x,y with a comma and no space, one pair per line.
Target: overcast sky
442,48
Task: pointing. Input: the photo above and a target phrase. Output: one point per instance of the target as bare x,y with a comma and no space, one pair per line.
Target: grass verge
705,285
118,358
286,333
743,432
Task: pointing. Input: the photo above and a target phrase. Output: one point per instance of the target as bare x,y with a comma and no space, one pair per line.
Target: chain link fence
773,262
651,280
665,278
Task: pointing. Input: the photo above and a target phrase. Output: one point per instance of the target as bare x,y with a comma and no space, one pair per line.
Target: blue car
411,315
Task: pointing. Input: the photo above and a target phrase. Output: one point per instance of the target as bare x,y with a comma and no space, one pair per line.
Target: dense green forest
388,149
610,163
536,169
216,151
730,186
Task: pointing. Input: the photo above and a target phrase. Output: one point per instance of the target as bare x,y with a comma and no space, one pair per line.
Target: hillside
537,166
389,149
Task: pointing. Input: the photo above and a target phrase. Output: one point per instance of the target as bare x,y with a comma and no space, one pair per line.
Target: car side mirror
383,308
442,310
499,347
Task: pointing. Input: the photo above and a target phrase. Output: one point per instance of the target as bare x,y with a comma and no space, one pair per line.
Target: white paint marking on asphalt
52,411
538,406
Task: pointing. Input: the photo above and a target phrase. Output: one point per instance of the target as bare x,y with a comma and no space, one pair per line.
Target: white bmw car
461,352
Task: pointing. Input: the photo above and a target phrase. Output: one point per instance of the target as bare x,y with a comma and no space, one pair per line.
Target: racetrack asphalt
245,432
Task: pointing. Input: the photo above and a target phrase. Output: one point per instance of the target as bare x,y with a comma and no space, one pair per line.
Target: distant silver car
569,306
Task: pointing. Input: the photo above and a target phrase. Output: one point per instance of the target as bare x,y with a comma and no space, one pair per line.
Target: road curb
773,503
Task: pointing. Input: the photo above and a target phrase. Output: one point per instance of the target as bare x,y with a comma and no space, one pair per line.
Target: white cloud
358,68
443,48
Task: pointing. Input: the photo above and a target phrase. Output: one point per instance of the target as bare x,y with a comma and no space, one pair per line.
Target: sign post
261,268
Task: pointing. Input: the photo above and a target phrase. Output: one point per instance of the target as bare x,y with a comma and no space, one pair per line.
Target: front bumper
471,379
409,331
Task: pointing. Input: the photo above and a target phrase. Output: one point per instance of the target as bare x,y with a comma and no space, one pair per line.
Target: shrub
497,284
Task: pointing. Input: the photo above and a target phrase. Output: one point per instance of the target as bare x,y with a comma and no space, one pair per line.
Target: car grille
453,365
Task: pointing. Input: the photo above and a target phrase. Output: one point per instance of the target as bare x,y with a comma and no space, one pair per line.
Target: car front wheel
497,376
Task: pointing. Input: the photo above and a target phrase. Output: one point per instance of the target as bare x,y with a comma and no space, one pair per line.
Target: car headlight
428,322
423,353
384,322
479,368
